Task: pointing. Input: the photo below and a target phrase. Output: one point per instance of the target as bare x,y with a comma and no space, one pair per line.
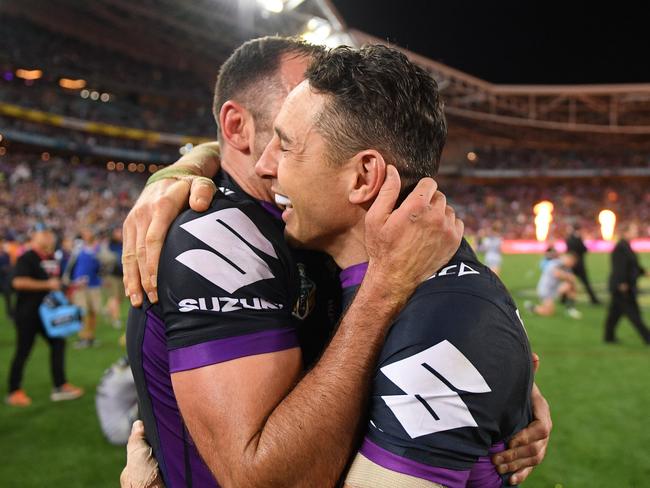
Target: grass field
599,396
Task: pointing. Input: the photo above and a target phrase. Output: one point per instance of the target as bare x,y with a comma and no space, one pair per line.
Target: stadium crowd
536,159
576,201
34,190
63,195
138,95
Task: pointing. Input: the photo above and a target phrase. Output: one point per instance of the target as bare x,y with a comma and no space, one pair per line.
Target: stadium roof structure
557,115
198,35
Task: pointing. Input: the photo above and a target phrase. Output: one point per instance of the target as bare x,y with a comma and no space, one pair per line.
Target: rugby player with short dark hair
453,382
148,223
217,361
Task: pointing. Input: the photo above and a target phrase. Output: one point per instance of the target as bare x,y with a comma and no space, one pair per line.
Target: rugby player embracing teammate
453,381
243,432
217,361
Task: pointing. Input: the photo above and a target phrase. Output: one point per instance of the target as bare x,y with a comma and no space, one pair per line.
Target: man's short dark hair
378,99
248,76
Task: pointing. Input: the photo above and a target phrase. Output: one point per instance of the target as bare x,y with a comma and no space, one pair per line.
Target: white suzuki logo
429,405
233,236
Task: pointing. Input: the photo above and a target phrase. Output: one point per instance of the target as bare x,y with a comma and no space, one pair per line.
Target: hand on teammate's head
410,243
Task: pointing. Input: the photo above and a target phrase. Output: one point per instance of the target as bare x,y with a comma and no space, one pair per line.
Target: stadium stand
33,190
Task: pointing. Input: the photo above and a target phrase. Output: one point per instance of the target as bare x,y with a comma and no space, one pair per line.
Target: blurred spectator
575,245
625,273
86,284
5,278
113,277
36,274
490,244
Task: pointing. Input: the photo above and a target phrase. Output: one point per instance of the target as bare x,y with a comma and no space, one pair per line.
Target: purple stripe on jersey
484,474
446,477
221,350
165,410
353,275
271,208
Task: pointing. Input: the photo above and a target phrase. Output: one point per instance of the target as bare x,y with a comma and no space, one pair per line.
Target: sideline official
626,270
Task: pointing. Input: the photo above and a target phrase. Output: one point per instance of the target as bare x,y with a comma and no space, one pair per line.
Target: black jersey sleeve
452,385
225,285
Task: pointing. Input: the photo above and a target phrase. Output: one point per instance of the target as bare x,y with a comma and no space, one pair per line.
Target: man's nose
267,166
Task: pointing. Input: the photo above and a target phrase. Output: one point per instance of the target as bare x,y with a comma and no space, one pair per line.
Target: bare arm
146,225
252,428
25,283
564,275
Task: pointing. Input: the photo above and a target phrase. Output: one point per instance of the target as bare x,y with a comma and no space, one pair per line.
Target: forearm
204,159
24,283
316,426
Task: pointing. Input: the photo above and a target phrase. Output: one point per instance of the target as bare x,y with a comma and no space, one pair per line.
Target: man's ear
235,122
370,173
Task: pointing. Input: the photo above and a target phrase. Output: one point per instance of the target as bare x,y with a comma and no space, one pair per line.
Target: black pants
625,304
581,272
27,326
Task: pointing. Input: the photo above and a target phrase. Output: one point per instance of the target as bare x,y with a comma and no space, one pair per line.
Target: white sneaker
66,392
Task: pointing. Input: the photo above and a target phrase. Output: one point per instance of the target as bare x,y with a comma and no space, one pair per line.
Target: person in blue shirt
86,283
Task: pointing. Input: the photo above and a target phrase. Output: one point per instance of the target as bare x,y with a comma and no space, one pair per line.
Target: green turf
599,395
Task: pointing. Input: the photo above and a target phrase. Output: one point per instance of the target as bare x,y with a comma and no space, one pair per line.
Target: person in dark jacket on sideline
575,244
626,270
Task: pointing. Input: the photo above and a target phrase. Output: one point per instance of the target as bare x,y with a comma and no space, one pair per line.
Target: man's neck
350,248
241,168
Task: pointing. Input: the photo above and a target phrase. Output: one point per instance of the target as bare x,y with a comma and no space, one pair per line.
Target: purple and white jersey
454,377
227,288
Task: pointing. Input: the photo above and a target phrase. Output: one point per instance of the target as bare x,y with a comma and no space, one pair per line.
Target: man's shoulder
462,299
464,274
229,221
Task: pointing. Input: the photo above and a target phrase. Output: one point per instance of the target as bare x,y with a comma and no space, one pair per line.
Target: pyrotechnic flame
607,220
543,218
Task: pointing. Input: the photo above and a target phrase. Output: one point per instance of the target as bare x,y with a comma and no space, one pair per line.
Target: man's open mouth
283,201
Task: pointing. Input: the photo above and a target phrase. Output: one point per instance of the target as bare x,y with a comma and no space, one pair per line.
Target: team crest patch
306,296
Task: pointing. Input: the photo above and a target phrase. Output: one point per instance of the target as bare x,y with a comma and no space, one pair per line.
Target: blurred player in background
625,273
557,282
113,277
87,285
575,244
491,244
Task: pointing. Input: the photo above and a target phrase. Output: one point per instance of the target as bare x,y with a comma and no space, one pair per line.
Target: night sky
516,42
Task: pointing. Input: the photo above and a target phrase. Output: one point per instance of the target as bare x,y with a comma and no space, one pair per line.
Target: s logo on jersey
232,263
428,404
